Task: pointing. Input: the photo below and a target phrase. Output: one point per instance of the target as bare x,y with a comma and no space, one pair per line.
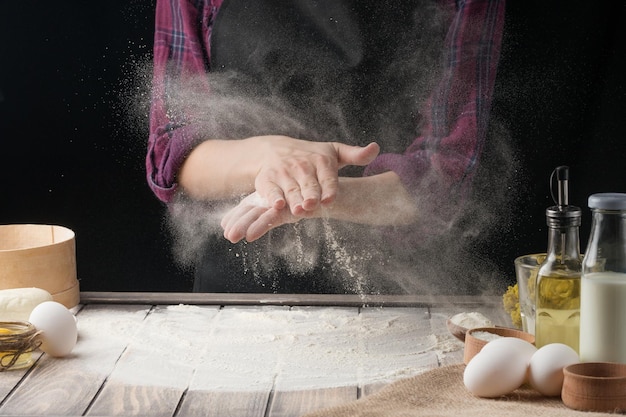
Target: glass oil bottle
559,277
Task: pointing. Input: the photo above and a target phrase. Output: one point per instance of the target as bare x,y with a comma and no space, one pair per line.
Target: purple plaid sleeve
440,163
181,48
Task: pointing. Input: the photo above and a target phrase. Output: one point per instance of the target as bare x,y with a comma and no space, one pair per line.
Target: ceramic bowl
476,338
595,386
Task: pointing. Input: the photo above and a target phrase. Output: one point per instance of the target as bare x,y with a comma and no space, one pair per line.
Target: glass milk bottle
557,291
603,292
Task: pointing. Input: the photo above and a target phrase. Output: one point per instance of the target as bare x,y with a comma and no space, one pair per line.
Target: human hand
377,200
302,175
253,217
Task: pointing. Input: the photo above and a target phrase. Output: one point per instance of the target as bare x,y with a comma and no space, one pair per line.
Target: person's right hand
302,174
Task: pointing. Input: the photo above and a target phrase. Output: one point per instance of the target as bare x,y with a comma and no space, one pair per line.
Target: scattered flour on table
260,347
444,344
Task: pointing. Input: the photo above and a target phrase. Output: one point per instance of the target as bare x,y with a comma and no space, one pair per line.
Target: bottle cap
608,201
563,216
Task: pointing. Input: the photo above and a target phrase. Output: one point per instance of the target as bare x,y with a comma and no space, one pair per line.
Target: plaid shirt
449,144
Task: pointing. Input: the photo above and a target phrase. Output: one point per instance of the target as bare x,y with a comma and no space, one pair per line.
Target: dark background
561,93
73,145
71,155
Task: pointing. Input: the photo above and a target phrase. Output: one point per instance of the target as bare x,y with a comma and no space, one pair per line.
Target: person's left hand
253,217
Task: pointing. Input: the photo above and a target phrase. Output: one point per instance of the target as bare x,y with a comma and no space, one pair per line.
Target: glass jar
603,286
17,342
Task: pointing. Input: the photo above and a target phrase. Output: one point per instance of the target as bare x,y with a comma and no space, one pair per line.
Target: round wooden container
41,256
595,386
473,344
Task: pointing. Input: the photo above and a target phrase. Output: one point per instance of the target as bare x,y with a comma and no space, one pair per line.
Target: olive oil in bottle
558,310
557,293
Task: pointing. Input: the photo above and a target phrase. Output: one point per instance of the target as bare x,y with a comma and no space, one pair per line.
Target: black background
72,149
71,156
561,93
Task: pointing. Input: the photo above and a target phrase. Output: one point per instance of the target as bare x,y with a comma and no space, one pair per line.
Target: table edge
348,300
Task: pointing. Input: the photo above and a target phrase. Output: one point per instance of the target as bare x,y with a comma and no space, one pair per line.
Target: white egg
545,372
526,350
496,371
58,328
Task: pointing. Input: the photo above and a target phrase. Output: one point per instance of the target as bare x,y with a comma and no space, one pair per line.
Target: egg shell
59,331
495,372
545,371
523,348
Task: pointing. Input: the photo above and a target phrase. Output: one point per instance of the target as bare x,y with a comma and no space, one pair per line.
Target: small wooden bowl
456,330
475,320
473,344
595,386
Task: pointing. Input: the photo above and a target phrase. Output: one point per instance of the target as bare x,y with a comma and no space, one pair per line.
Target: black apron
327,62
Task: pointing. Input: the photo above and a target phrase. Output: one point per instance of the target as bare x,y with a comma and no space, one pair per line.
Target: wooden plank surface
10,379
66,386
224,403
237,366
318,365
158,363
251,360
401,340
297,403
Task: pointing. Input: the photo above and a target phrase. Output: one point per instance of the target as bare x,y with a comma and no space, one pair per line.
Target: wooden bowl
456,330
41,256
474,343
595,386
460,323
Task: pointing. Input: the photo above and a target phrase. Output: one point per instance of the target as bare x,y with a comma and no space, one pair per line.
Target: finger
272,192
266,222
329,183
237,229
311,195
356,155
231,231
281,191
293,196
310,183
236,212
229,216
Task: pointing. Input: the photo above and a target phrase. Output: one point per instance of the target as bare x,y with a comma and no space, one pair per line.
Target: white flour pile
471,320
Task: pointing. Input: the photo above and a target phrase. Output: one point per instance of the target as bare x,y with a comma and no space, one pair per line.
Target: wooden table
165,354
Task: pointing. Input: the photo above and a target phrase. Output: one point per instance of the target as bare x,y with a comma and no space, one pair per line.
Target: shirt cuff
168,151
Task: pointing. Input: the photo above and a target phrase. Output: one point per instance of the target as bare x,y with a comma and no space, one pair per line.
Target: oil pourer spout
562,179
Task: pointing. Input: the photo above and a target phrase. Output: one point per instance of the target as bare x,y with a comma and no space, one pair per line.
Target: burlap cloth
440,392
